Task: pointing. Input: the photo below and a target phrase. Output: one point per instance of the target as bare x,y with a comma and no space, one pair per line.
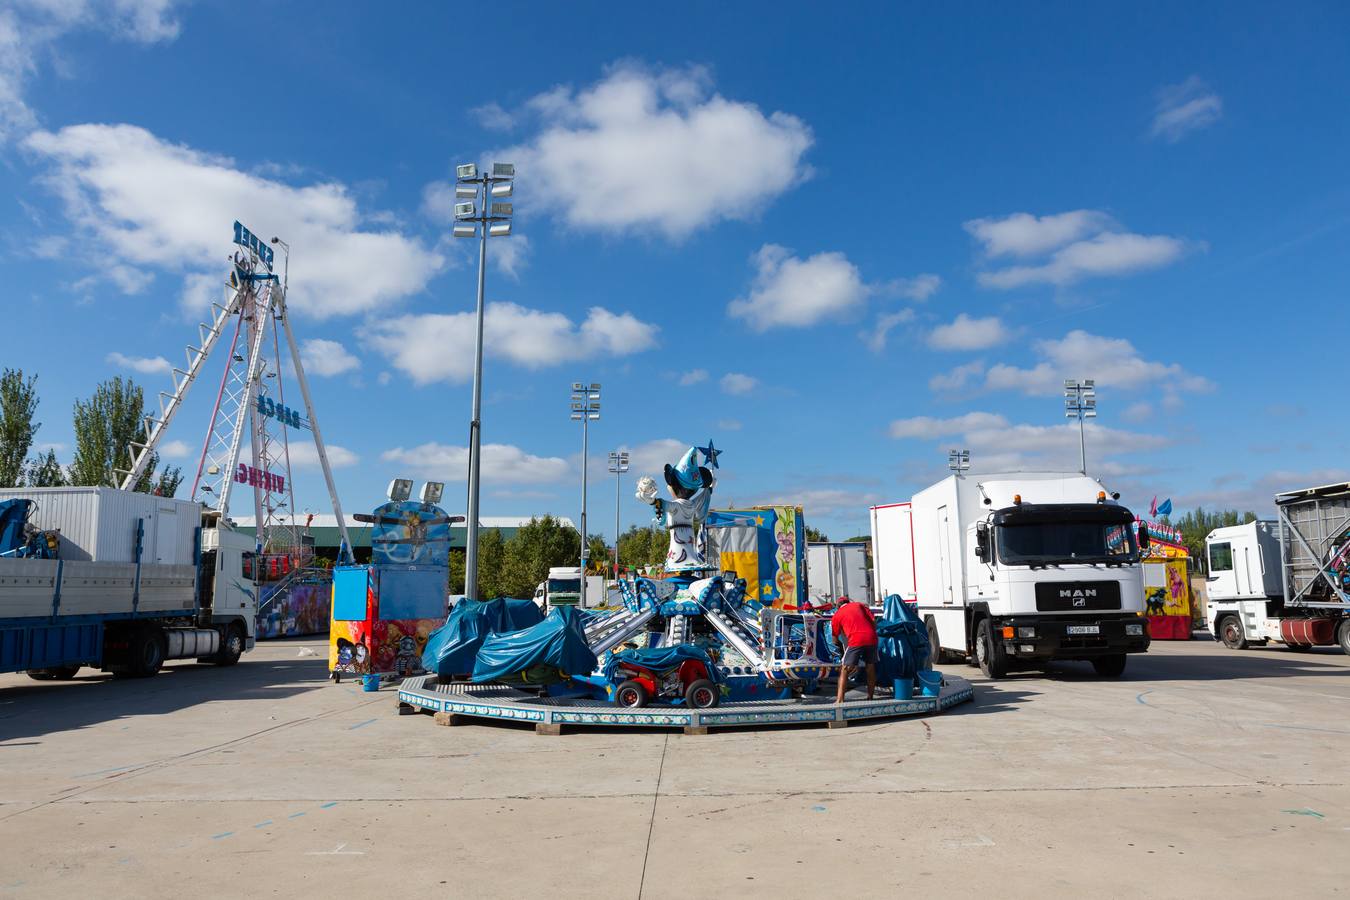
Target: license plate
1084,629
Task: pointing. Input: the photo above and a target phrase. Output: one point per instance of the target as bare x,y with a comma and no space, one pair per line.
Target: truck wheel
147,653
936,654
231,647
1343,637
993,662
702,694
630,694
1230,632
1110,666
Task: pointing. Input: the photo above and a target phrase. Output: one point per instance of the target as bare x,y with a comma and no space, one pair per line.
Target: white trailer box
98,524
835,570
1016,569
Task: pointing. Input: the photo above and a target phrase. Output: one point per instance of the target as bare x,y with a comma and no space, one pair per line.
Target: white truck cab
563,588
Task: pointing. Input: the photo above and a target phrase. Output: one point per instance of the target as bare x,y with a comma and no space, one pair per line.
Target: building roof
324,528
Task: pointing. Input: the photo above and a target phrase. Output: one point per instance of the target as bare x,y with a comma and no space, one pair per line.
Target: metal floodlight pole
585,406
618,464
1080,400
483,225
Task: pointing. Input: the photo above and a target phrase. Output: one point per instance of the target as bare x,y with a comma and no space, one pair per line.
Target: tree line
105,425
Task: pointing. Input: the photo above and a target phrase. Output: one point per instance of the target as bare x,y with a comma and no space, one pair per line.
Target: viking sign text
252,477
245,238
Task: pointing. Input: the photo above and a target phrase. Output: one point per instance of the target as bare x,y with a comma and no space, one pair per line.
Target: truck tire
231,646
937,654
989,655
1112,666
147,653
1343,637
1230,632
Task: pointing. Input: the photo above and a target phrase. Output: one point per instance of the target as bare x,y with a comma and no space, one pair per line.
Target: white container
98,524
837,569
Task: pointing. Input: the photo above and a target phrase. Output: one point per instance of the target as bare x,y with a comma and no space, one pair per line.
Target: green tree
105,426
45,471
456,571
18,404
1199,522
816,536
858,539
601,555
491,559
640,547
536,547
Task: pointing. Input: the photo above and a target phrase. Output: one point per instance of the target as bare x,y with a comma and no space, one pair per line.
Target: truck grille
1073,596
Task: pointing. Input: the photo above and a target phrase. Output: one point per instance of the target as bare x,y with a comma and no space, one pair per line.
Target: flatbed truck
120,581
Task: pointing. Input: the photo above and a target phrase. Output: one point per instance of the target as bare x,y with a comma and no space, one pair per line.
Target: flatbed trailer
136,580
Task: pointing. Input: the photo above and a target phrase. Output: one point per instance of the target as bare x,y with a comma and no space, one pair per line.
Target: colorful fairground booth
1167,582
384,611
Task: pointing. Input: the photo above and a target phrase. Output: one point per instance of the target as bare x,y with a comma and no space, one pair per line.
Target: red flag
1153,507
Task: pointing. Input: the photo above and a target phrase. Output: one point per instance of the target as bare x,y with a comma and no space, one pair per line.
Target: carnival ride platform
455,703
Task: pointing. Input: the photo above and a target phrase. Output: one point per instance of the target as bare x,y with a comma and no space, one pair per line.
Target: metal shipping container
99,523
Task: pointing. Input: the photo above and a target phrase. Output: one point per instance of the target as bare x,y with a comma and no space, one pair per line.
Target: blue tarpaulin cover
13,515
453,648
559,641
902,641
663,659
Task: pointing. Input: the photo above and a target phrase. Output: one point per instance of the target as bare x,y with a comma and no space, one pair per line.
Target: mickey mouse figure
691,487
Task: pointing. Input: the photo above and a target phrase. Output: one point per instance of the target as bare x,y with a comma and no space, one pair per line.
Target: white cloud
500,464
650,457
822,502
175,450
439,346
919,288
1085,244
1241,492
958,378
694,376
966,333
875,339
737,383
656,150
29,29
1023,234
493,117
438,202
729,424
927,427
305,456
383,378
790,292
326,358
1183,108
157,205
1111,362
510,254
146,365
1138,412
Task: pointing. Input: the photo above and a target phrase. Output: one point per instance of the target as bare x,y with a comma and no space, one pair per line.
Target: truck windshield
564,585
1055,543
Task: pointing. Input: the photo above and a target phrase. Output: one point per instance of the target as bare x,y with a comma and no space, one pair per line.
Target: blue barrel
370,683
930,682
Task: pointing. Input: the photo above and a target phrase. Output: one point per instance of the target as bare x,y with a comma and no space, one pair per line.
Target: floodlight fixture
466,171
465,231
432,491
577,385
502,189
466,192
501,209
500,229
503,170
400,489
958,460
464,210
1080,402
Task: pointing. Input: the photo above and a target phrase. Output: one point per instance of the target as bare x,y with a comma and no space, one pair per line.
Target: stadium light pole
618,464
491,219
585,409
1080,401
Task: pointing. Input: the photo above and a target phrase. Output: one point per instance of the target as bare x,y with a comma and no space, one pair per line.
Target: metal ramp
629,627
735,634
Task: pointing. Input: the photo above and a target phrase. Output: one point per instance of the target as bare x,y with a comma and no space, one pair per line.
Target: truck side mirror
1143,536
982,542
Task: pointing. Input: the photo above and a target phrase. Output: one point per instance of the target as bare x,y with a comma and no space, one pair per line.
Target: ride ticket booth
1167,583
383,612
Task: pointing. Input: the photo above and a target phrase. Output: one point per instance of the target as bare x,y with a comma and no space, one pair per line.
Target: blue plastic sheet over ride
663,659
558,641
13,516
902,641
453,648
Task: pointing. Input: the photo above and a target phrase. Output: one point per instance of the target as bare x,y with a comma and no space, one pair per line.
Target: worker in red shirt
855,622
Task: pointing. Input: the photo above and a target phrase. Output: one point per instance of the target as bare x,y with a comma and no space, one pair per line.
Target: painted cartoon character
351,657
1175,584
1156,599
407,662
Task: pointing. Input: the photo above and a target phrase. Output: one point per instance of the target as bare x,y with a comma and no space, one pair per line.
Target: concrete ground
1203,772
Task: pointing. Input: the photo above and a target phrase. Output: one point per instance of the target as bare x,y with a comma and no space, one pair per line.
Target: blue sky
835,244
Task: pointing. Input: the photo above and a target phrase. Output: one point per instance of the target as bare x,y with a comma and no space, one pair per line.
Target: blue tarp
902,641
663,659
13,515
453,648
558,642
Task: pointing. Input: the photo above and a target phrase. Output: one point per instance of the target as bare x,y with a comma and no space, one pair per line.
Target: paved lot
1203,772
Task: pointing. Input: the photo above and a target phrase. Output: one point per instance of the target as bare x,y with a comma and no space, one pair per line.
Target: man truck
1285,581
120,581
1013,571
